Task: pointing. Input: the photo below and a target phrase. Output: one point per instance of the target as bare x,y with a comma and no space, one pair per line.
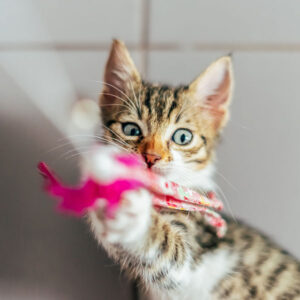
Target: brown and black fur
176,239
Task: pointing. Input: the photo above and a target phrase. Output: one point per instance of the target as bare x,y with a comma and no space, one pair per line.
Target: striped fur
176,255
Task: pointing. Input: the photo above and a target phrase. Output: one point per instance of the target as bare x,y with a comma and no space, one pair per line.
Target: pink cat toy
110,173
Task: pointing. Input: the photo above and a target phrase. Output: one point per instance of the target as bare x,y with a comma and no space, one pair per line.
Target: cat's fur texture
175,255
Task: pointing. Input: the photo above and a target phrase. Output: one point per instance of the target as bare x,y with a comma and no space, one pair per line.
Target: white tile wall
225,22
179,67
73,21
42,77
86,68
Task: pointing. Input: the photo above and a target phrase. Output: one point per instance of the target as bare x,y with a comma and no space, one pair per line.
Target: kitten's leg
129,224
145,242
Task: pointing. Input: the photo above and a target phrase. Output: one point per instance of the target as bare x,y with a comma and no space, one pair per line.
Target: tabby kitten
174,254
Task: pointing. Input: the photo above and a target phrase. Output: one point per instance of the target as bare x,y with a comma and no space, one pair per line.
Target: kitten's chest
200,282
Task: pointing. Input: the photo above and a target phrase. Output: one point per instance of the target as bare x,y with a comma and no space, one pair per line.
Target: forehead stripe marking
172,107
139,112
110,122
160,102
148,98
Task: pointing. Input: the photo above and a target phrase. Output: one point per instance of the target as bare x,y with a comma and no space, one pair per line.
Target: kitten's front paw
130,221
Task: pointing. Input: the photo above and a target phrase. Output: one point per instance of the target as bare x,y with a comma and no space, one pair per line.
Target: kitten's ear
120,74
213,90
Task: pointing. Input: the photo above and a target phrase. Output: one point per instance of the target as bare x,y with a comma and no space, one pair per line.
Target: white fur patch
100,165
202,179
200,283
215,266
129,224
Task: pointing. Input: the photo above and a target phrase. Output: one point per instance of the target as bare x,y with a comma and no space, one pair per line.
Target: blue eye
131,129
182,136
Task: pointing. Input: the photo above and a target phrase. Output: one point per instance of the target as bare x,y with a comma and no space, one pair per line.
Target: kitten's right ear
120,74
212,90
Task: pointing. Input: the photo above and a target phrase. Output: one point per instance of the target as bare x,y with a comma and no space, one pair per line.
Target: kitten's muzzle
151,159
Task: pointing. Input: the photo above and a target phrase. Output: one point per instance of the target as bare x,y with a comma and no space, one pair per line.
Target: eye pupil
134,131
131,129
182,136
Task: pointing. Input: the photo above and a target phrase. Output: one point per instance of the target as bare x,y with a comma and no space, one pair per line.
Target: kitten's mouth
159,171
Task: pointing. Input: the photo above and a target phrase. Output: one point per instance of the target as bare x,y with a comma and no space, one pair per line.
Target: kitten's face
174,129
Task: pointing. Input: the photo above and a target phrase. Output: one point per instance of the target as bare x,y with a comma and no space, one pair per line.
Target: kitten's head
174,128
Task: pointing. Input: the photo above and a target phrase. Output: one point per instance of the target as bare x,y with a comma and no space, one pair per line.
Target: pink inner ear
221,95
120,71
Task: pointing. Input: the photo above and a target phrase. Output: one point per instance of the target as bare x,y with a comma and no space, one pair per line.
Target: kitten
175,255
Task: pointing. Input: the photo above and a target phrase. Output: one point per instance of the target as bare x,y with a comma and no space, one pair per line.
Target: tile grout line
145,36
146,46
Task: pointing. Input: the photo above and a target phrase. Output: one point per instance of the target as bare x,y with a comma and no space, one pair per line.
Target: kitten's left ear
120,73
212,90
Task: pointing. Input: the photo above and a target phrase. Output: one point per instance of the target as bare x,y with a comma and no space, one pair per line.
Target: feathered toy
109,173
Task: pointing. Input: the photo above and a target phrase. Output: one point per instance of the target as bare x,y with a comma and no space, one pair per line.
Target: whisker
227,203
81,153
68,142
113,104
111,142
77,150
114,139
68,137
115,133
226,180
137,107
140,102
116,88
129,105
58,147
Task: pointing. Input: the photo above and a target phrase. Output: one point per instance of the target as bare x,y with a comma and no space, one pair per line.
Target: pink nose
151,159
